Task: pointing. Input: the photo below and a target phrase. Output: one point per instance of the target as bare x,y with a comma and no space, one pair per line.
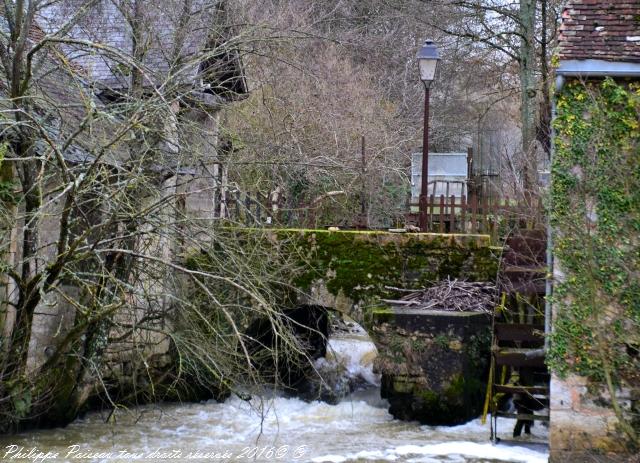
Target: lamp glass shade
427,69
428,58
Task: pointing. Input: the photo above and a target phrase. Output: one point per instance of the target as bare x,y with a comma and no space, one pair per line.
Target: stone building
186,45
599,40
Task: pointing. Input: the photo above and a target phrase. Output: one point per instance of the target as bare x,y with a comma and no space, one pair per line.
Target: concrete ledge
430,320
460,239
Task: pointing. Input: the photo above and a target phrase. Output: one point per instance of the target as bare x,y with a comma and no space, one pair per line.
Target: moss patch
457,403
360,264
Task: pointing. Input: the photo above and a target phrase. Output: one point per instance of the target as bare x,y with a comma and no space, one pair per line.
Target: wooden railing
454,214
251,209
461,214
257,209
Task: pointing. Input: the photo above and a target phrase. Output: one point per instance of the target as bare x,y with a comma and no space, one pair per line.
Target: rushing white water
354,352
358,429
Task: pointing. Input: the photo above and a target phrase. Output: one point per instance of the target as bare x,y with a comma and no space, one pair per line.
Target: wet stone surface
433,364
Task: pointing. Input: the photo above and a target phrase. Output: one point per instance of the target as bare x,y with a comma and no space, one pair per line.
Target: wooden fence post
485,215
258,209
432,201
452,215
463,214
441,213
237,206
474,211
493,210
247,209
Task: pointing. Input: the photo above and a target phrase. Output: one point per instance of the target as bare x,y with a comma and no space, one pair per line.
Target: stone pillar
200,191
434,364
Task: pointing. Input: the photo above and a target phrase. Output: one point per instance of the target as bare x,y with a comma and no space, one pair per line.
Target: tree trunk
544,119
528,87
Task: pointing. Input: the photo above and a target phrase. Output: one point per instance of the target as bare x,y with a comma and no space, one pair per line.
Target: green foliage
442,340
595,212
22,404
20,397
7,192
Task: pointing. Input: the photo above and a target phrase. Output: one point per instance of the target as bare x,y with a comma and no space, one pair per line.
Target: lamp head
428,58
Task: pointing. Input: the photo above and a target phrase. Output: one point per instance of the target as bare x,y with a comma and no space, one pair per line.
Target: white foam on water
330,459
476,450
452,459
376,455
353,430
539,431
357,429
356,354
452,451
424,459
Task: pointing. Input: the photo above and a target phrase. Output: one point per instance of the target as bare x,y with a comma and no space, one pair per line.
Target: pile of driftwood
452,295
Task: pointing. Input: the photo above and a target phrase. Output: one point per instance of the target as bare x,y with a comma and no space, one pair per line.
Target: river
275,428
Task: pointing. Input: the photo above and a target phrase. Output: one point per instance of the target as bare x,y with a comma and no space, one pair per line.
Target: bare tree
522,32
110,121
342,70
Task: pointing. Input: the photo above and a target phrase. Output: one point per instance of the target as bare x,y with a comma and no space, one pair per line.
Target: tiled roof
65,77
167,51
600,29
61,99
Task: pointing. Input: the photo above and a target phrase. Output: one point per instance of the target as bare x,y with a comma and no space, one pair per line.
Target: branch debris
451,295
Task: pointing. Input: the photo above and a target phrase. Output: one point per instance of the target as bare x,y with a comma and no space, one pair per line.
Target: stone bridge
433,364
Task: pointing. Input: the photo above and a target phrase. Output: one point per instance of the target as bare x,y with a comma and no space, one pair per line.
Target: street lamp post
428,58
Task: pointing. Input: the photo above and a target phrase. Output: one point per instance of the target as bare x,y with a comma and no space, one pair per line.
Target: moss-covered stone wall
430,368
355,268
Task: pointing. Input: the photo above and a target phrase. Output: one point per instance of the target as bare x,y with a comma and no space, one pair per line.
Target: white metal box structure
448,174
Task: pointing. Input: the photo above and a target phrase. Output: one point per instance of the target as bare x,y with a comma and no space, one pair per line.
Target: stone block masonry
351,270
433,363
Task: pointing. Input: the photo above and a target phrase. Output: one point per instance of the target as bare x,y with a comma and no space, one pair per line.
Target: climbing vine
595,198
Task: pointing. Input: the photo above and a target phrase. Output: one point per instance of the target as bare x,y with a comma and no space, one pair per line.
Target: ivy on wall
595,214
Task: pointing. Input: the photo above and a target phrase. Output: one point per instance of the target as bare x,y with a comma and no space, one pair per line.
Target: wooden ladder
518,352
